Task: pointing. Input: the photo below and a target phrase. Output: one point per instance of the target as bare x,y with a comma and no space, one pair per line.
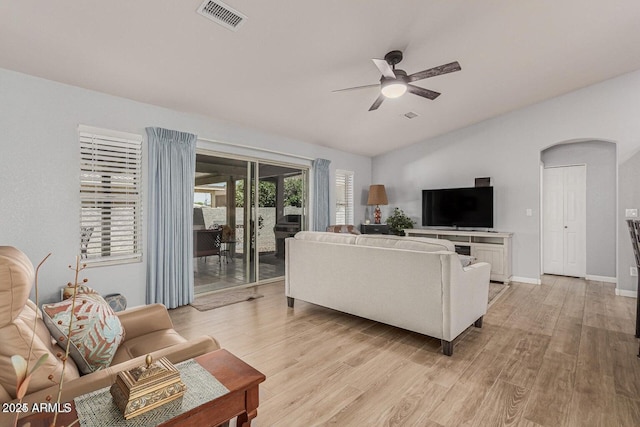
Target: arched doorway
564,162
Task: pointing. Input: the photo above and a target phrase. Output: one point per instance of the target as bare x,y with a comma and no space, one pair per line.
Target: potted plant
398,222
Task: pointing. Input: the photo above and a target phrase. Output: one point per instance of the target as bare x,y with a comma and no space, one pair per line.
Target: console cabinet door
494,256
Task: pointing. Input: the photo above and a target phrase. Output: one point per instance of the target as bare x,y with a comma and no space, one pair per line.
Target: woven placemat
96,409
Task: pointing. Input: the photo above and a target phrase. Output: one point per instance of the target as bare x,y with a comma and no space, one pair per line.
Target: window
344,197
110,196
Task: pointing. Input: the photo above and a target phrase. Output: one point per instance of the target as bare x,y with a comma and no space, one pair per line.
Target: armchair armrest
139,321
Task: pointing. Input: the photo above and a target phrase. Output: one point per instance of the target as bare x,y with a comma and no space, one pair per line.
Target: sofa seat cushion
326,237
145,344
96,331
421,244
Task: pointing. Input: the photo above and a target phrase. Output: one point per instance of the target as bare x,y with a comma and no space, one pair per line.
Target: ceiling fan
395,83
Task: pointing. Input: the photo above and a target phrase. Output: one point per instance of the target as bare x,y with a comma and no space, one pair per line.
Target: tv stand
493,247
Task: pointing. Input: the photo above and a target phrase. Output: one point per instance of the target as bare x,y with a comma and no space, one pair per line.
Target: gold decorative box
147,387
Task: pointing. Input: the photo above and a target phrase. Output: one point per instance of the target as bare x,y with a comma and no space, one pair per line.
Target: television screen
458,207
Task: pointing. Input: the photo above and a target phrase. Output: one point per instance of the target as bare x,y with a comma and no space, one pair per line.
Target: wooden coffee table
242,400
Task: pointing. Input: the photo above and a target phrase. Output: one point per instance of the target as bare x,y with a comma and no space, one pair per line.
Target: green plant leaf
39,363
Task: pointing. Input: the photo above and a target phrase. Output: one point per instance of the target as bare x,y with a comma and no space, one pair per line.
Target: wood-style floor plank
558,354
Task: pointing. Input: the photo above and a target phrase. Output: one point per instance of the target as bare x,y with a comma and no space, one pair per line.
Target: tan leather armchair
148,329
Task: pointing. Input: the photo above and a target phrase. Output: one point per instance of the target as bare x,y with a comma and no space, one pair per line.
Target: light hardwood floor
559,354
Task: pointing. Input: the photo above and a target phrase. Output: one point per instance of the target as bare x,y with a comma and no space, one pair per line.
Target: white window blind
344,197
110,196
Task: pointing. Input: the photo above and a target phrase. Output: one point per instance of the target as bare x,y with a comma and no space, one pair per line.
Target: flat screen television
458,207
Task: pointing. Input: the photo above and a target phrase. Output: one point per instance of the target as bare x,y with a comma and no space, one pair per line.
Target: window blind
344,197
110,195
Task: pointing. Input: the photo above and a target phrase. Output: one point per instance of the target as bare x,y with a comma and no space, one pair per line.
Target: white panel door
575,221
553,220
564,223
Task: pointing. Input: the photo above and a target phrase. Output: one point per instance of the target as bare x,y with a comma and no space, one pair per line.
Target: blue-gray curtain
172,168
321,184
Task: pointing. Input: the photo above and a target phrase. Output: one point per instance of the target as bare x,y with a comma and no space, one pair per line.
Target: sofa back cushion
326,237
16,339
16,280
18,315
421,244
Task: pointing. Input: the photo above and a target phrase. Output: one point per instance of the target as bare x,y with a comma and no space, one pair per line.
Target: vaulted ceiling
278,71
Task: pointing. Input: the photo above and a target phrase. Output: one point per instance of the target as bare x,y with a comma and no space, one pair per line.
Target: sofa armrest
143,320
467,297
476,277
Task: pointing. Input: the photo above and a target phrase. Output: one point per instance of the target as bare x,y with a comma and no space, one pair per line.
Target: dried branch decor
21,366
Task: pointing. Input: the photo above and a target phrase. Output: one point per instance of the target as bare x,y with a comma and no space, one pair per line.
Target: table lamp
377,196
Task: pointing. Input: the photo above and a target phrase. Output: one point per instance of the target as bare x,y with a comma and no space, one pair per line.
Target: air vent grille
222,13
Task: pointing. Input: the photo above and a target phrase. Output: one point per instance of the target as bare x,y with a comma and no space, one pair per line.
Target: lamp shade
377,195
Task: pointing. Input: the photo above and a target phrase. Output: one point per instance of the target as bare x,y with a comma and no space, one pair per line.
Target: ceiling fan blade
377,103
435,71
384,68
356,87
420,91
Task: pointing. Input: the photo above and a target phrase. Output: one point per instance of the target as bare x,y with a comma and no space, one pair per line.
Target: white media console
487,246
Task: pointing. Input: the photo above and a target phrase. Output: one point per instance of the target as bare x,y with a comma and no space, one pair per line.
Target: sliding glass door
281,207
243,211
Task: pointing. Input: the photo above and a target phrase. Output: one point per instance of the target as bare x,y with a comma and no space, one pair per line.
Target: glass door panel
281,214
222,202
255,206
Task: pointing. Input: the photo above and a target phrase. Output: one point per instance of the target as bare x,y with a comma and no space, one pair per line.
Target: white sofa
414,283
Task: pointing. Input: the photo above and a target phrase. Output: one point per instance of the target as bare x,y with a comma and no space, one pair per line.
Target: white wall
628,198
39,184
600,158
507,148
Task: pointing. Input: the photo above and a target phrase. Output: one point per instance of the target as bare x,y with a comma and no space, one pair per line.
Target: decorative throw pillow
466,260
96,331
117,302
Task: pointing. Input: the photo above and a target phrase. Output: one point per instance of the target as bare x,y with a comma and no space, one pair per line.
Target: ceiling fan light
394,89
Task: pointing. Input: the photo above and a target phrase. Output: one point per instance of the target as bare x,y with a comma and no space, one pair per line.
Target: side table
241,402
374,228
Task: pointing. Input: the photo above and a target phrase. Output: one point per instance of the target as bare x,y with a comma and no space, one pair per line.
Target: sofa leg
478,323
447,348
290,301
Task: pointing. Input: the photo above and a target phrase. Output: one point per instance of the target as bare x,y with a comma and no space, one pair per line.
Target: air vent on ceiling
410,115
222,13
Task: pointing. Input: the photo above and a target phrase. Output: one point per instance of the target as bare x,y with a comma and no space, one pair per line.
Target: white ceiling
277,72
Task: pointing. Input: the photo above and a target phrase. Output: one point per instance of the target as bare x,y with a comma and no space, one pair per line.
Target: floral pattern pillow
96,331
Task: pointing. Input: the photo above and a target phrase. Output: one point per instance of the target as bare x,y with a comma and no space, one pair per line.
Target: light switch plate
529,212
631,213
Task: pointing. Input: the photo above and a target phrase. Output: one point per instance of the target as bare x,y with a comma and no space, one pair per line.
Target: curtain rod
266,150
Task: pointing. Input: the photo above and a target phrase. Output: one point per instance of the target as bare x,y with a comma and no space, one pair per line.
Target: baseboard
625,293
601,279
529,280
